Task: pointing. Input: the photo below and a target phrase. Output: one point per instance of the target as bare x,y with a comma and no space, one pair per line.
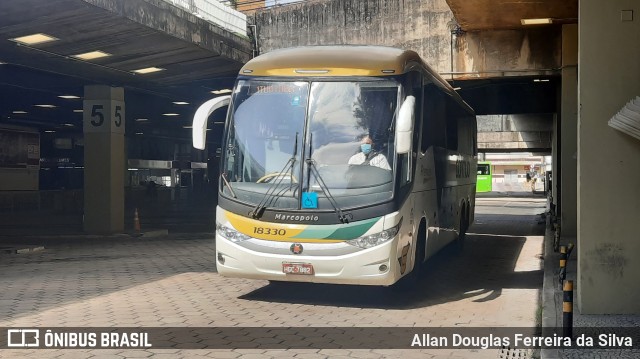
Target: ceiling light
457,88
69,97
141,119
49,131
181,103
45,106
2,63
220,92
34,39
148,70
219,123
187,126
91,55
78,110
170,114
540,80
139,133
543,21
19,112
68,124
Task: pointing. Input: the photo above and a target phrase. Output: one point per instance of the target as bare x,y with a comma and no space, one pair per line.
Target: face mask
365,148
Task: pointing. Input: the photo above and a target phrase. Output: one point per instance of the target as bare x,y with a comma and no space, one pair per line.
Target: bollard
563,264
136,221
567,309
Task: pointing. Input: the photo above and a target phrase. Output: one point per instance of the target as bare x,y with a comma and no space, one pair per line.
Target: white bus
340,164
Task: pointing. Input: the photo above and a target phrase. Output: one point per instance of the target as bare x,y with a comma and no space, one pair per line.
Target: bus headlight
376,239
230,233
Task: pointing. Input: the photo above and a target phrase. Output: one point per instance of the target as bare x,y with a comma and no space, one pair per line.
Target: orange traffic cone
136,221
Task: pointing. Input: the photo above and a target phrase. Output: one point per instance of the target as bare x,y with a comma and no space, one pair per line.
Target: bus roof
344,60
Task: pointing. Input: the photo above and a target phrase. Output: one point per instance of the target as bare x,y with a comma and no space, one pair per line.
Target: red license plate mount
297,268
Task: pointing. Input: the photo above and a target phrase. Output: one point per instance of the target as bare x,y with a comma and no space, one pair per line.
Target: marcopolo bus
340,164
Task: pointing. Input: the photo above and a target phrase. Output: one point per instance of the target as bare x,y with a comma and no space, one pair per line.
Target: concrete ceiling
197,57
476,15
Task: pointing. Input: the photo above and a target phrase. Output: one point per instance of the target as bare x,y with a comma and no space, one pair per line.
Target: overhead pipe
254,32
457,30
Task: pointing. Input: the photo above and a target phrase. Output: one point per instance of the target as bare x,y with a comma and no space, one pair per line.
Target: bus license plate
297,268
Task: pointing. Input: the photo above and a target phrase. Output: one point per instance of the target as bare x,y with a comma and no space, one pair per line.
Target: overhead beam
162,16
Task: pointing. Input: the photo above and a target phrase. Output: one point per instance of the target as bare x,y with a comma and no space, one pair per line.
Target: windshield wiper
270,195
344,218
312,168
226,182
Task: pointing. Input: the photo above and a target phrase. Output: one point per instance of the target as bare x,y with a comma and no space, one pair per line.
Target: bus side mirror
199,130
404,128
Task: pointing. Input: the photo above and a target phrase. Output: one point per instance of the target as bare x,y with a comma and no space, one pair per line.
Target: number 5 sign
103,116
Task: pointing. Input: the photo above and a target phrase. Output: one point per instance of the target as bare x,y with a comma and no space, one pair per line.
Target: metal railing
216,13
260,4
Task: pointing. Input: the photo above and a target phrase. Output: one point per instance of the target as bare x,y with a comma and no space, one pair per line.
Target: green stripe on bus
340,231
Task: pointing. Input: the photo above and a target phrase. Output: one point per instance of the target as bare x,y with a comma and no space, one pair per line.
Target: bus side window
466,131
453,117
434,121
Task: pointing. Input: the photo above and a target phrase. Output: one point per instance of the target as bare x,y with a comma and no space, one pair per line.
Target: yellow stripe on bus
264,230
278,232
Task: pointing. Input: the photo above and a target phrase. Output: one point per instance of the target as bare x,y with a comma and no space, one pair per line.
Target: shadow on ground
482,270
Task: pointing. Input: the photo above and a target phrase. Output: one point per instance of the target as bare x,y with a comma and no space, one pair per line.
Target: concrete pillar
568,131
104,159
608,160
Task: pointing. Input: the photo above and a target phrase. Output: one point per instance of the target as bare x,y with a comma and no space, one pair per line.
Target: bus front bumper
373,266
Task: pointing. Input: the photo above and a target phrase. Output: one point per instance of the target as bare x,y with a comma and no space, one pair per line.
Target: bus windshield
484,181
483,169
332,138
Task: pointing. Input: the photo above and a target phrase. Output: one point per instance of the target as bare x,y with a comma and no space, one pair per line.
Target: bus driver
367,156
